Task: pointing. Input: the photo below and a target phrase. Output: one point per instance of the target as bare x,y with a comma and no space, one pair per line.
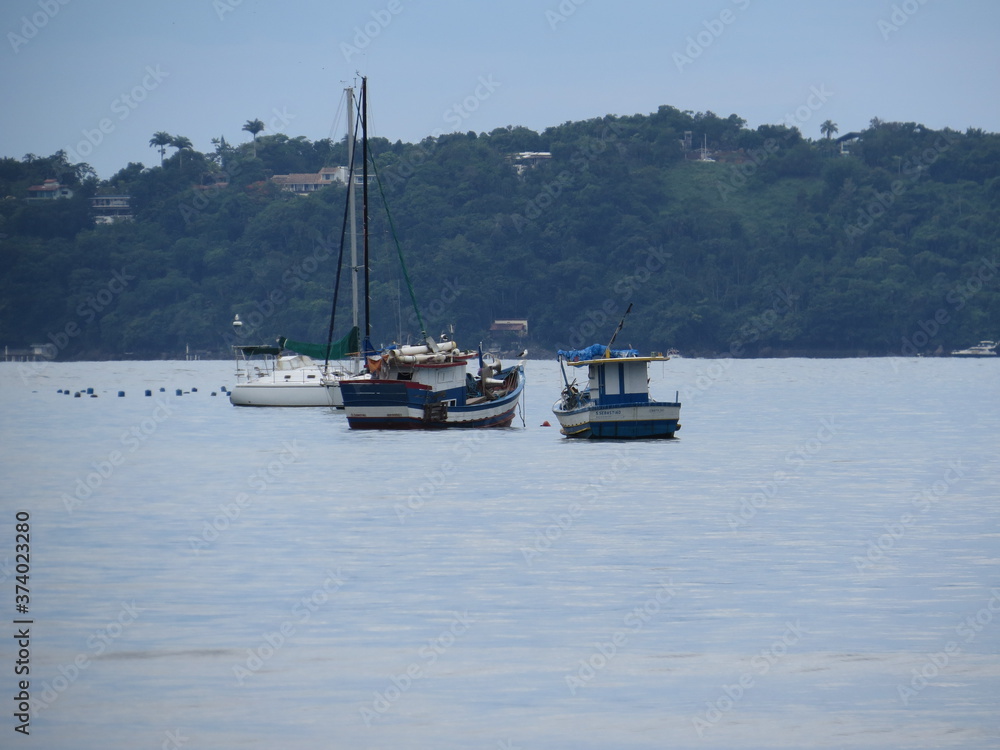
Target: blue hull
642,430
405,405
651,420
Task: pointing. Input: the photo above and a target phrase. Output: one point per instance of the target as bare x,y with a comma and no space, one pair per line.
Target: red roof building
48,190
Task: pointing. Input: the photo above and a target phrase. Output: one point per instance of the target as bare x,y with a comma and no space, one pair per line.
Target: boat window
635,380
446,374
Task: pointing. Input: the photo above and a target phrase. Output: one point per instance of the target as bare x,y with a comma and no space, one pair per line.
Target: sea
814,561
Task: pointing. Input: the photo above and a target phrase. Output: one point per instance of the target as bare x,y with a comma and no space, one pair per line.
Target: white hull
982,349
290,380
286,394
638,421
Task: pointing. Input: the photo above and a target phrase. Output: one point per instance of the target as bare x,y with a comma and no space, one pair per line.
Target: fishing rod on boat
607,349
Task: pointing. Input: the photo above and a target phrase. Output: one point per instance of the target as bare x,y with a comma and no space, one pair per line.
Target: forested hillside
776,245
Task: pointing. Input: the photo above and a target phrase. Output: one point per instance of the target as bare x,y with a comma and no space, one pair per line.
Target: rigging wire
399,251
520,401
334,124
340,261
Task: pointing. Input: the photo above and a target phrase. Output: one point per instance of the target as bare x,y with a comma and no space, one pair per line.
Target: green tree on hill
253,127
803,251
160,141
181,143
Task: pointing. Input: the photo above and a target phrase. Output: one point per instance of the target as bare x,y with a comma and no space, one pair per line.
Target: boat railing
253,362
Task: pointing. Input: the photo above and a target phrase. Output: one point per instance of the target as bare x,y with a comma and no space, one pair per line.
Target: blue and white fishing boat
427,386
615,402
430,387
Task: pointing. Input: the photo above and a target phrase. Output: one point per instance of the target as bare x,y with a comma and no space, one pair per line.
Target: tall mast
364,198
350,204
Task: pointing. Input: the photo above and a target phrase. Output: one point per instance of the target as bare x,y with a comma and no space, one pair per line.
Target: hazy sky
98,78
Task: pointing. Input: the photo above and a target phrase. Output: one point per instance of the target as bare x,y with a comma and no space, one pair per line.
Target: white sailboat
296,373
275,376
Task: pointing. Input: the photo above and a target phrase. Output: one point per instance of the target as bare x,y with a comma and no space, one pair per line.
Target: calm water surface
815,562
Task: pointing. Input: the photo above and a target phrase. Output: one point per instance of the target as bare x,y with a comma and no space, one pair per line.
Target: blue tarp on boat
594,351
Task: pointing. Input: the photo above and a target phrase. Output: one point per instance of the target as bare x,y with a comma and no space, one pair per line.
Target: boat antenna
607,350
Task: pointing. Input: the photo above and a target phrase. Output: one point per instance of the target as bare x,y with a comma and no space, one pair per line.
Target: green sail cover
343,349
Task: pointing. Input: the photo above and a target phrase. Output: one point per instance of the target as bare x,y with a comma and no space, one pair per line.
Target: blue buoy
149,393
179,391
59,391
163,390
213,393
194,390
76,395
121,394
90,391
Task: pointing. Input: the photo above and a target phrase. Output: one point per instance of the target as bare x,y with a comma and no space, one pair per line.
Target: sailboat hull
285,394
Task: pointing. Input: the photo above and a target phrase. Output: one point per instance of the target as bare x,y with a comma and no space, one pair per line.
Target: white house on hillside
303,184
49,190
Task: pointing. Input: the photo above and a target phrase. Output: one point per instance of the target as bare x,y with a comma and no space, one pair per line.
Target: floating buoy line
147,393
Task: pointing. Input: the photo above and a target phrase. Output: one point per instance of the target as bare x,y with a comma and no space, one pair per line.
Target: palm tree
161,140
828,128
253,127
182,144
